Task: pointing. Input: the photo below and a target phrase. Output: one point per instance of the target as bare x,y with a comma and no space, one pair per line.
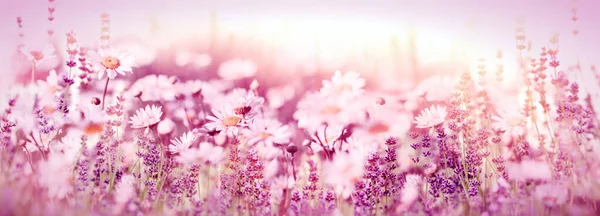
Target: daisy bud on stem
292,149
254,85
96,101
380,101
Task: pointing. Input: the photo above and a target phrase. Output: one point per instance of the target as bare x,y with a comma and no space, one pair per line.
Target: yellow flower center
49,109
331,110
343,87
110,62
37,55
231,121
93,129
378,128
265,135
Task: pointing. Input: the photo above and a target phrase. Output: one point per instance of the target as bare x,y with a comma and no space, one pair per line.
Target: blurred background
393,43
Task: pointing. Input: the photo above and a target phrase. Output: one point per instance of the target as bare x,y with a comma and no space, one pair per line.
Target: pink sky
493,21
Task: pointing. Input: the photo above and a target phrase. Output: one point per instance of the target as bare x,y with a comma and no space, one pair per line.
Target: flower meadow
101,129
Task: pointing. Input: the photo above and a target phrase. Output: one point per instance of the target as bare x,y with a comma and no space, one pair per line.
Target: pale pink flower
268,152
326,136
153,88
254,85
430,117
125,189
39,56
314,110
211,92
86,115
129,152
384,121
552,195
51,83
211,153
529,170
349,83
225,120
182,144
22,112
510,122
410,192
277,96
146,117
48,89
435,88
205,153
269,132
345,170
279,184
245,103
112,61
55,174
165,126
237,69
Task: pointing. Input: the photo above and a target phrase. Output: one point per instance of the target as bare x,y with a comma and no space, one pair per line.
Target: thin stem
33,72
293,168
104,95
207,180
187,118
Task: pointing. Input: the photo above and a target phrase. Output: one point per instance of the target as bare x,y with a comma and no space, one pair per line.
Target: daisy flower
431,117
315,109
342,171
112,61
410,192
384,121
146,117
181,144
211,92
529,169
165,126
278,96
342,84
511,122
153,88
205,153
39,56
237,69
269,132
51,84
225,120
326,136
434,88
245,103
55,174
125,189
279,184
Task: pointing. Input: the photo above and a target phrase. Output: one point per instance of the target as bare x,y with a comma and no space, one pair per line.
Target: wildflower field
300,114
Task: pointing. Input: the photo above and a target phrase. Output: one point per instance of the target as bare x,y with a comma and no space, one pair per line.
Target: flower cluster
231,141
